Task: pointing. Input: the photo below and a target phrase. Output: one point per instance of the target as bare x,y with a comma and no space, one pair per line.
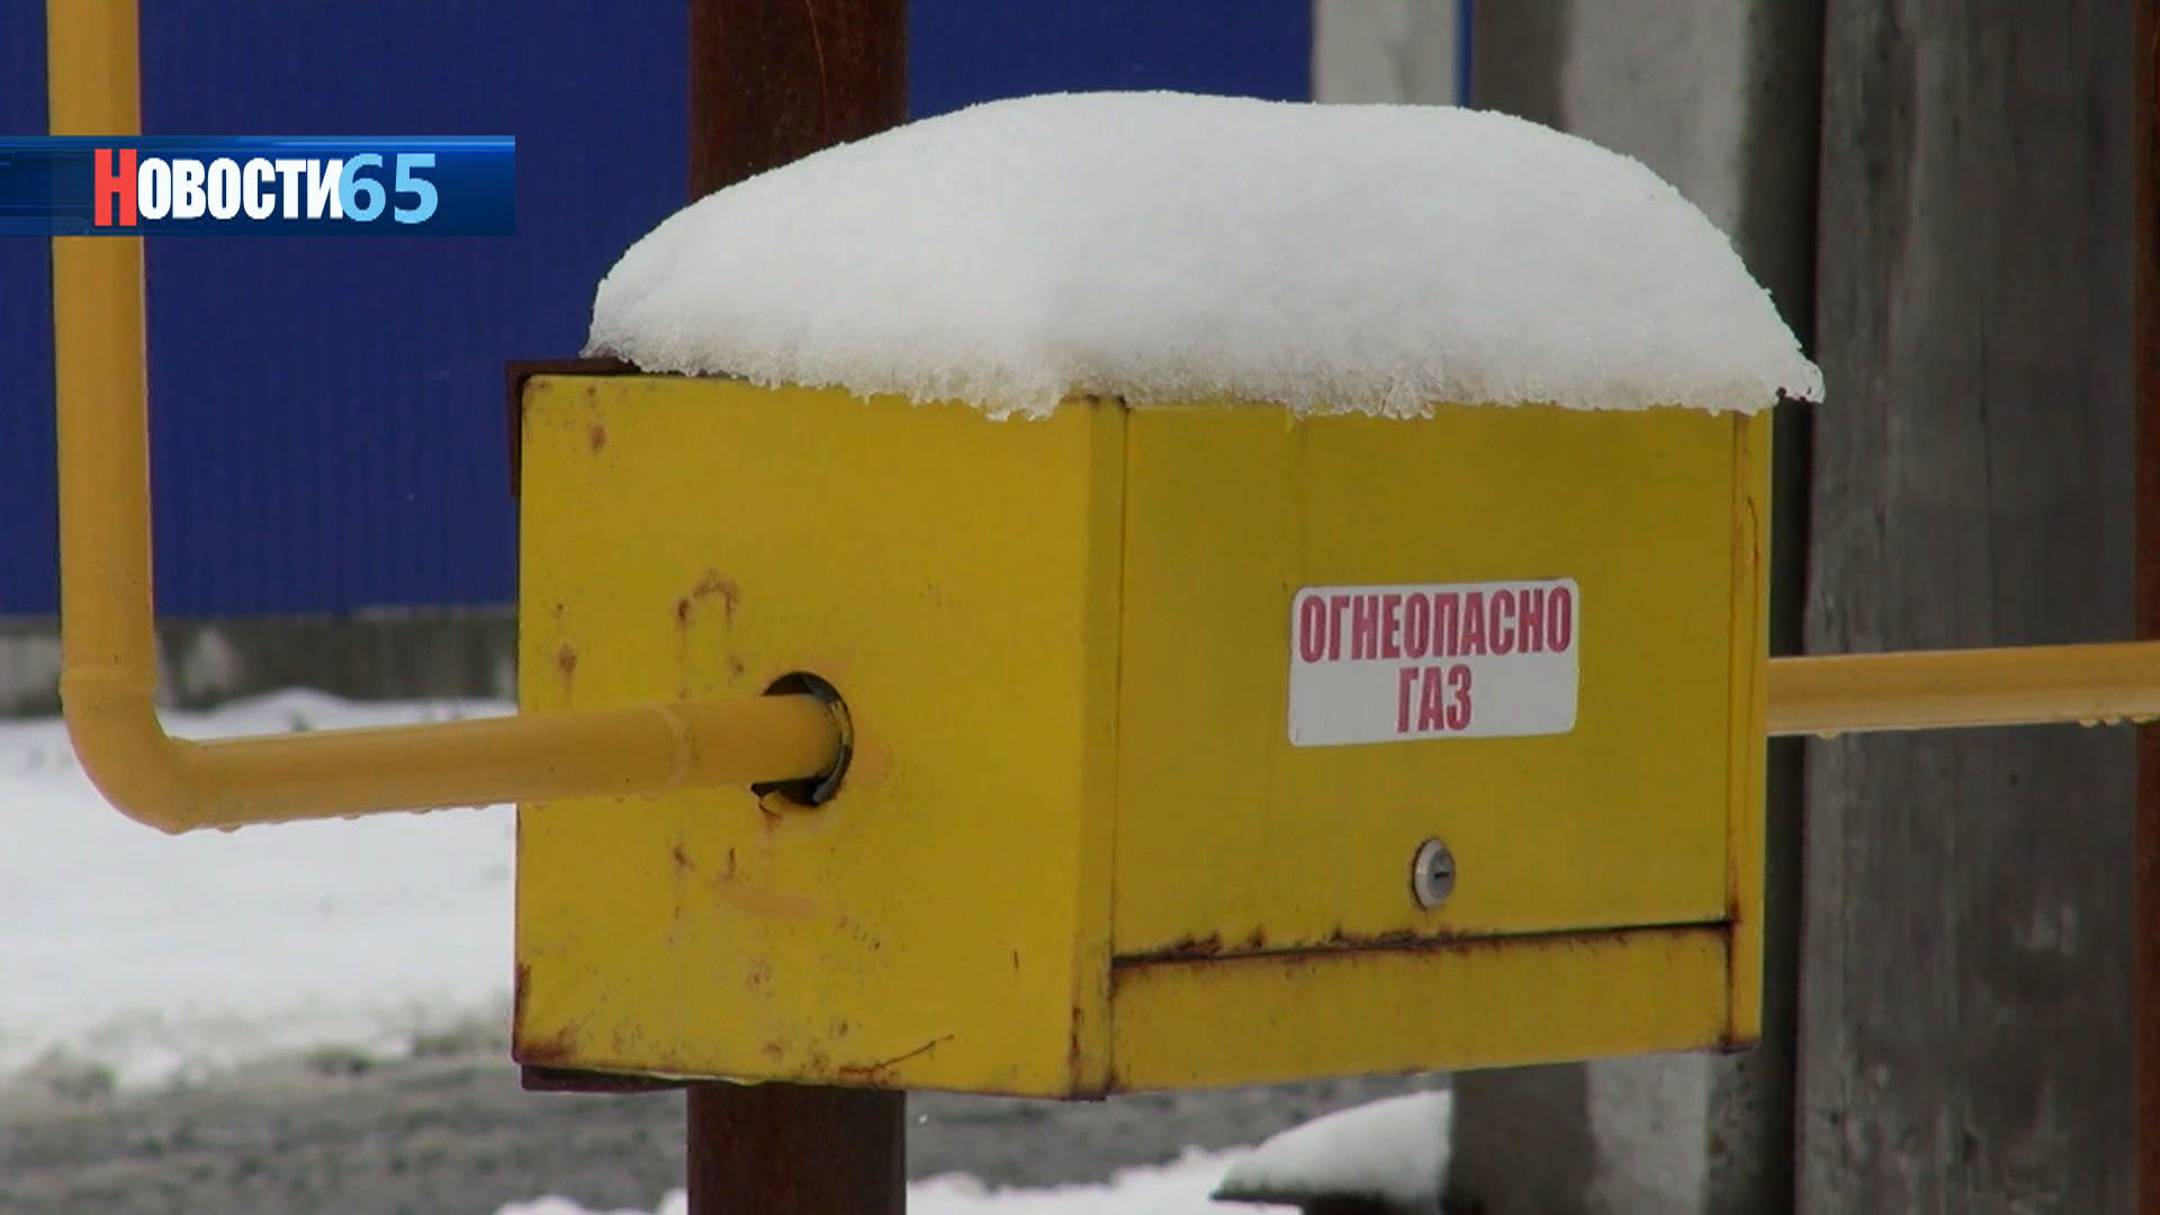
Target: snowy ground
310,1018
1179,1188
149,958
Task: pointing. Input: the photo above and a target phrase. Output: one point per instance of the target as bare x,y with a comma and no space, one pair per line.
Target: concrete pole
1968,947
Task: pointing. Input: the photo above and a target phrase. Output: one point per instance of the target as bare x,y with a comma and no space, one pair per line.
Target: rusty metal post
798,1148
775,80
772,81
2145,221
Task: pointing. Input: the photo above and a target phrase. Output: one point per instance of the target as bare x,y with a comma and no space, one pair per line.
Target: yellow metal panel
1064,645
1749,648
1477,1004
1232,840
943,922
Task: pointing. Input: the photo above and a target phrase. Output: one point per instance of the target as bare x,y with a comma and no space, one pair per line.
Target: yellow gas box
1192,745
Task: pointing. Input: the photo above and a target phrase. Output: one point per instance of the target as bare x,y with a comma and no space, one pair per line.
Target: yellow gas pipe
106,609
2099,684
105,592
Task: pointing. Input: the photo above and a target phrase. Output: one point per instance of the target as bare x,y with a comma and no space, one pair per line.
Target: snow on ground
160,959
163,958
1168,247
1394,1151
676,1203
1180,1188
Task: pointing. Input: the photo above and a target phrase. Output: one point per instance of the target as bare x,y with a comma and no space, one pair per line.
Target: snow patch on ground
1394,1151
1179,1188
1166,247
676,1203
148,959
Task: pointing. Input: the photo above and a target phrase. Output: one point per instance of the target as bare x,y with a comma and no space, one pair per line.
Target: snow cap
1164,247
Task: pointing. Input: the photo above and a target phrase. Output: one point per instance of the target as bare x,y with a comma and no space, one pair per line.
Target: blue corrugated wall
328,431
27,579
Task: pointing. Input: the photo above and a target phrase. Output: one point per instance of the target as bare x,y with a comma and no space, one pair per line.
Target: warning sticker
1371,664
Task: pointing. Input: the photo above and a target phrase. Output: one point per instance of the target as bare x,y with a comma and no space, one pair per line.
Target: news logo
129,188
343,186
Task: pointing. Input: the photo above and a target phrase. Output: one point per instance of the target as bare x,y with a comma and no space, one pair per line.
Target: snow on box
1165,247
